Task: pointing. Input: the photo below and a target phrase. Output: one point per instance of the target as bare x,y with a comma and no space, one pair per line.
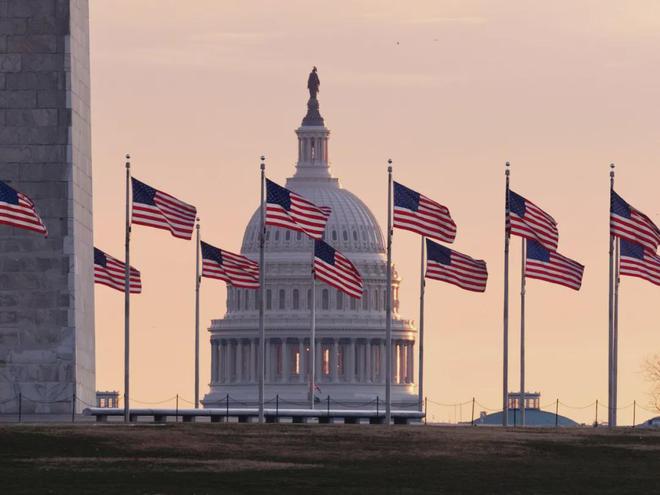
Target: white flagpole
312,337
127,294
262,293
522,330
505,353
610,337
615,336
198,281
422,286
388,302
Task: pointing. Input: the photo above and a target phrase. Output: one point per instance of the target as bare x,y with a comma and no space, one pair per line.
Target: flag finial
612,167
507,172
389,165
128,160
263,165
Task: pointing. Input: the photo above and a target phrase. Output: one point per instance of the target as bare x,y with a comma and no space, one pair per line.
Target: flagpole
262,301
127,295
615,336
522,331
610,419
422,287
505,353
198,281
388,302
312,337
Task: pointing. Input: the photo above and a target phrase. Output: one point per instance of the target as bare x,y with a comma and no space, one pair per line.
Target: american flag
629,223
336,270
635,261
543,264
287,209
417,213
17,210
451,266
529,221
112,272
235,269
155,208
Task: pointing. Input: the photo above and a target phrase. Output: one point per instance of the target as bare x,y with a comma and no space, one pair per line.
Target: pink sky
449,90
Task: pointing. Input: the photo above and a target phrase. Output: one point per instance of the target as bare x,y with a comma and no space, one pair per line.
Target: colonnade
342,360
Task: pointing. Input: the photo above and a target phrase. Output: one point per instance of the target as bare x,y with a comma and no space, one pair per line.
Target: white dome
351,228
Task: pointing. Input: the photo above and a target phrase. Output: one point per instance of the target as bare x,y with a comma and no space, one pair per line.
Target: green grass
219,458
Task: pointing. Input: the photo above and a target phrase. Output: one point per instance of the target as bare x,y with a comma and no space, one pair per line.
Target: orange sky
450,90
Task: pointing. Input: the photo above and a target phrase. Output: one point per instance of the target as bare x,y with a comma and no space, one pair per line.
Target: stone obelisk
46,285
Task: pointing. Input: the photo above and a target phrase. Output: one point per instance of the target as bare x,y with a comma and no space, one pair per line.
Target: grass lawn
337,459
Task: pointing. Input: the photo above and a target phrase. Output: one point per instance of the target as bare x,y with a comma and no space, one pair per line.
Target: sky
450,91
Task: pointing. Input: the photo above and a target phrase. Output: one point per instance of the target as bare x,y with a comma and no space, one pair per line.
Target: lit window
325,365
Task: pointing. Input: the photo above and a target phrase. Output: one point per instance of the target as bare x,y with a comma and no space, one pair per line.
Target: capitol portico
350,333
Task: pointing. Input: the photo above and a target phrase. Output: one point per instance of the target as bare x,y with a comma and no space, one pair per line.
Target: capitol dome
350,333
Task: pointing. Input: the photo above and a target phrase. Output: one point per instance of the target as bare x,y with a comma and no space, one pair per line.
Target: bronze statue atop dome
313,84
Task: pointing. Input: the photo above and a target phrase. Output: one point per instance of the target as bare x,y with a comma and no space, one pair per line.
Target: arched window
365,300
298,235
269,299
355,236
277,235
325,303
345,235
334,235
353,303
247,298
376,301
340,300
238,299
267,235
282,297
296,299
287,236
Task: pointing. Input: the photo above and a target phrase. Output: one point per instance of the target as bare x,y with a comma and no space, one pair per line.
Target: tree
652,372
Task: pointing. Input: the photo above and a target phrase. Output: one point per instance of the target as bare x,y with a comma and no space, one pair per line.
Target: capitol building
350,333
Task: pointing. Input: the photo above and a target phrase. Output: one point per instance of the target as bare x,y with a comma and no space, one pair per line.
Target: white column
285,361
383,351
239,360
302,361
319,361
251,372
214,361
351,365
367,362
334,361
411,361
268,360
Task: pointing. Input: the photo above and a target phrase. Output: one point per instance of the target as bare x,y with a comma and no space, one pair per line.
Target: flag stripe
18,210
111,272
333,268
450,266
415,212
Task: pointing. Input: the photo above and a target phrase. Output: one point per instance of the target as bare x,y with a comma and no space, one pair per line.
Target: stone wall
46,285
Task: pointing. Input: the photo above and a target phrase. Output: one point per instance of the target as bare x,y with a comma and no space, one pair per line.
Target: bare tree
652,372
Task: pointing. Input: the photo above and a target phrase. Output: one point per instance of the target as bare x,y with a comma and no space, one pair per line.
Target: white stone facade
350,334
46,285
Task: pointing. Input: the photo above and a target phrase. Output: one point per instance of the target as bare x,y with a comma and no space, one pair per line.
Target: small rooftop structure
106,399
